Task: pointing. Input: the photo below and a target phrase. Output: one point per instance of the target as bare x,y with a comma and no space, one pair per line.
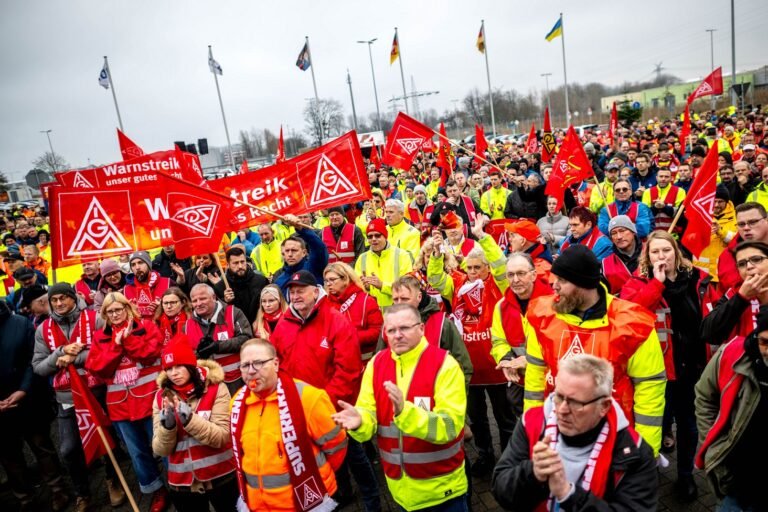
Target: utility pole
373,75
352,97
53,155
712,55
733,53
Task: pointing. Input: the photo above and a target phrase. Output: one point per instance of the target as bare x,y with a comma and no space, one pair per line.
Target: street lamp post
373,75
546,84
712,55
53,154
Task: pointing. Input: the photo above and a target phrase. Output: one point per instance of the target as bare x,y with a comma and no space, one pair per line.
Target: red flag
128,148
613,126
444,155
548,144
405,140
699,203
244,167
531,144
331,175
481,145
139,213
711,86
90,416
375,160
280,147
571,166
685,130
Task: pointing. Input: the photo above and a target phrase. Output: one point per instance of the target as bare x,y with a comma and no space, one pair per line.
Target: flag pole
114,97
221,104
468,151
488,75
565,72
602,195
117,469
677,217
312,70
402,75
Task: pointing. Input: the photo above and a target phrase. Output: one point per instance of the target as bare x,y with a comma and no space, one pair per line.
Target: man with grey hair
401,234
217,331
577,451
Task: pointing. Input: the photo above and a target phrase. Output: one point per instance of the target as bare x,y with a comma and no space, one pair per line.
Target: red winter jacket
363,313
322,350
139,351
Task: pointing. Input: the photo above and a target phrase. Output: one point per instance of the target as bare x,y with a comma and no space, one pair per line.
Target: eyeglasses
254,365
400,330
374,236
749,223
115,311
573,404
171,302
754,260
622,189
518,275
331,280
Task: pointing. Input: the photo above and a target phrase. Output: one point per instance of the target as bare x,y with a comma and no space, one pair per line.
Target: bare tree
3,182
324,119
50,162
246,144
270,142
257,139
474,105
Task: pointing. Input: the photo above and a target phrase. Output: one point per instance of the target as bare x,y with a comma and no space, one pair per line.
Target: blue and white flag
214,66
304,60
104,76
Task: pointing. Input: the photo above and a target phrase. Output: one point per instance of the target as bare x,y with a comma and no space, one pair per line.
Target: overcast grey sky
53,52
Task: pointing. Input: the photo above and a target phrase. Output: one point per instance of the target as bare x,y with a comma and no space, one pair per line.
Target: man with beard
245,285
144,286
623,260
582,317
344,241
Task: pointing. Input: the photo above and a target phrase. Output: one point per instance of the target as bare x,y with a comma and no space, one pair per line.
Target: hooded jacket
321,350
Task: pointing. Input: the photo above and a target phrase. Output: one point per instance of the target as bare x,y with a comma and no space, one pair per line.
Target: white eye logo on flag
200,218
410,145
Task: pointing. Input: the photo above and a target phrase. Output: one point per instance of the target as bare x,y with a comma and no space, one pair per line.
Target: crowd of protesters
282,372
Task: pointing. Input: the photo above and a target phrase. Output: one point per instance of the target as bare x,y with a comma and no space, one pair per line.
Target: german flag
395,53
481,40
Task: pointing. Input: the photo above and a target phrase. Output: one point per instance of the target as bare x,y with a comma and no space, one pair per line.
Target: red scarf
345,299
171,326
309,492
185,390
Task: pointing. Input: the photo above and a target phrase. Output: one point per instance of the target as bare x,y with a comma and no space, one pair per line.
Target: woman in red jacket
271,308
172,316
125,353
345,292
668,284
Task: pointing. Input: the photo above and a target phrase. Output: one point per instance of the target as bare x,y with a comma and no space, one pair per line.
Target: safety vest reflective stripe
151,377
328,436
398,457
276,481
190,465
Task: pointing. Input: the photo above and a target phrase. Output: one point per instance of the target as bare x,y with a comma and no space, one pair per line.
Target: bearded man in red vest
144,286
344,240
732,417
577,451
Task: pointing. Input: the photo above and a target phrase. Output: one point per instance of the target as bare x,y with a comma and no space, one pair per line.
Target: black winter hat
62,289
578,265
32,293
722,193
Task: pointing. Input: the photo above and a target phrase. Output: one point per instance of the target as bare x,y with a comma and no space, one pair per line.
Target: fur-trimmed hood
214,373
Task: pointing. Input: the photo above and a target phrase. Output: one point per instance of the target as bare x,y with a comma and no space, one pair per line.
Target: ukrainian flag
557,30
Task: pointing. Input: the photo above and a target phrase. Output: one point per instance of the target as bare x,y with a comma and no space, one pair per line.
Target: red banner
128,148
548,143
613,125
481,145
184,166
444,154
531,144
685,129
407,137
711,86
280,148
151,212
90,416
571,165
699,204
374,159
331,175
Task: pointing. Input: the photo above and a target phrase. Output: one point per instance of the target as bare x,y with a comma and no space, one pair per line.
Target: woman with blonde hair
272,305
172,315
667,283
126,354
347,294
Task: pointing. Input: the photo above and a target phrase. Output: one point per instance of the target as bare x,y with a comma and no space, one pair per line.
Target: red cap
451,221
178,352
377,226
525,229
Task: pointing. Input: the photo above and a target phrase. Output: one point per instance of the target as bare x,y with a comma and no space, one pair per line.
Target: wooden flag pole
677,217
117,469
468,151
602,195
223,274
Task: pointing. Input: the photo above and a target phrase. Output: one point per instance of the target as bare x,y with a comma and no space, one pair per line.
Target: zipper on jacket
263,405
279,450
